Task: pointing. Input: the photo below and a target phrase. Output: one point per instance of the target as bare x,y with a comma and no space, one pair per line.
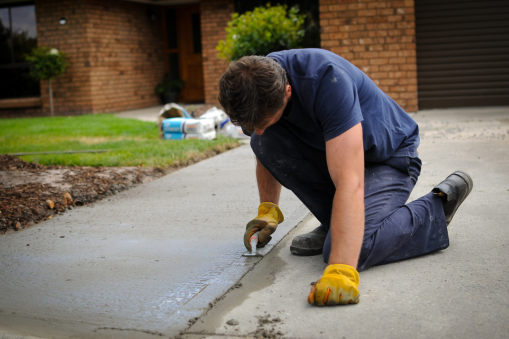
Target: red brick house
423,53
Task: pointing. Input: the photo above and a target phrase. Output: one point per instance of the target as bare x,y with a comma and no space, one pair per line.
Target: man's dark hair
252,90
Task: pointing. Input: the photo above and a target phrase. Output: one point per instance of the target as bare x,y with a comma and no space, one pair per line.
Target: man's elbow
352,185
359,192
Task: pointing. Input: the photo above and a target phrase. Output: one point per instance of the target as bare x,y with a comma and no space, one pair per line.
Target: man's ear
288,91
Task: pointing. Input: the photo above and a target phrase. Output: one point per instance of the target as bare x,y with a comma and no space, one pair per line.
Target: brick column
126,49
379,38
215,14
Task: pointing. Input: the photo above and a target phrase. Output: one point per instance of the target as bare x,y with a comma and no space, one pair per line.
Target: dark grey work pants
393,230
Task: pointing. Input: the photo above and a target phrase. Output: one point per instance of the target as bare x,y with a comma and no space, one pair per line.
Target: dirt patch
264,328
31,193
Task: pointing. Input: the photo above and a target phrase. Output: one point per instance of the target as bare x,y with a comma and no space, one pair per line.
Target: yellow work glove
269,216
338,285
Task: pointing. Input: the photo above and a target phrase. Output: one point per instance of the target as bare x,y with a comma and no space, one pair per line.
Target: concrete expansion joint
211,305
129,329
295,217
193,335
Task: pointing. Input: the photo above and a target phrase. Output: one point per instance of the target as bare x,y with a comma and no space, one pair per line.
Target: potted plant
169,88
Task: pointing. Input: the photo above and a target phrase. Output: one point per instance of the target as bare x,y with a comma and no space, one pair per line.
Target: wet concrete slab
460,292
144,263
141,263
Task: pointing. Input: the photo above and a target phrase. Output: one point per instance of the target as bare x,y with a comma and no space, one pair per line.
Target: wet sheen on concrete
143,262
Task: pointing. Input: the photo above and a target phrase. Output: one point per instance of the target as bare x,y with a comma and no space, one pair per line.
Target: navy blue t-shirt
330,96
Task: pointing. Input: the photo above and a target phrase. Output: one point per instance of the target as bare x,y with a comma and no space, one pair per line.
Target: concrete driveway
164,259
460,292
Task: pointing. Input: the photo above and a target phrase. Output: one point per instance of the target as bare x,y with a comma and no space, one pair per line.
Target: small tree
46,64
262,31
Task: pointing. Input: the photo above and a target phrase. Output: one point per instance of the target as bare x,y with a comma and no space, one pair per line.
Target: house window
18,35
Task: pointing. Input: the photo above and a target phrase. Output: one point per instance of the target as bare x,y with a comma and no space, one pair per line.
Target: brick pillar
379,38
215,14
127,54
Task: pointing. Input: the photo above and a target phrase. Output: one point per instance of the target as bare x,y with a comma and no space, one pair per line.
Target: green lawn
132,142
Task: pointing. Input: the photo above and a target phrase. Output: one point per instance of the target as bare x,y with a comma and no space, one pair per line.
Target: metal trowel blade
252,254
253,241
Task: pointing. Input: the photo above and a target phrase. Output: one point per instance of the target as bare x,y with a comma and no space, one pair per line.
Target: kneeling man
324,130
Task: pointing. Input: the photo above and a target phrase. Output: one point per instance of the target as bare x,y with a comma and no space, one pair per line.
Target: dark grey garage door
462,53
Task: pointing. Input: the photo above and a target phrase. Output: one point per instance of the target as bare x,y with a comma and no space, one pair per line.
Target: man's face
288,93
270,122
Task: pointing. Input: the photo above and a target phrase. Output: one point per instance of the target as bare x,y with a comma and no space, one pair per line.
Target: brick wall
126,55
71,91
379,38
115,53
215,14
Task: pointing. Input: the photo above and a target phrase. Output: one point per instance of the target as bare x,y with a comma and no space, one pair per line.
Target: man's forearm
345,159
347,226
268,187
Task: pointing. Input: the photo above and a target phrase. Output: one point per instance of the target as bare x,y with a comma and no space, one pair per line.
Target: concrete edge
204,301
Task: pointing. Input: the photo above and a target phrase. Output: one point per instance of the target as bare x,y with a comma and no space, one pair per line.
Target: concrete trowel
253,241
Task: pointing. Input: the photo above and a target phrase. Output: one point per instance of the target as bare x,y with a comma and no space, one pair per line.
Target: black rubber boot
310,243
454,190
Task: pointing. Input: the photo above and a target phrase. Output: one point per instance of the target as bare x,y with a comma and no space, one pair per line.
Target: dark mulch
25,203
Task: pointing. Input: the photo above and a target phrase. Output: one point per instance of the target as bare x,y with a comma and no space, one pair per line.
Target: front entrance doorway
183,50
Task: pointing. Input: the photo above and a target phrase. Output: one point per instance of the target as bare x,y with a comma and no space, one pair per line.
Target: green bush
46,63
262,31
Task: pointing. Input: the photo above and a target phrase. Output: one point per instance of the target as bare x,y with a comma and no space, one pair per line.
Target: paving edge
200,304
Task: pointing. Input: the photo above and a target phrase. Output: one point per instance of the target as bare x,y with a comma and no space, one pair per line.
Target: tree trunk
50,98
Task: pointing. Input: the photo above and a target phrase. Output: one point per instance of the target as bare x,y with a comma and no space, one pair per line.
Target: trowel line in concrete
254,241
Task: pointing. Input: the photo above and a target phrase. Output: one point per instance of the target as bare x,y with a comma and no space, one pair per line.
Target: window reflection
18,35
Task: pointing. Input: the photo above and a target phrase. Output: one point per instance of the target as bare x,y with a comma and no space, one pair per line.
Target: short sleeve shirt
330,95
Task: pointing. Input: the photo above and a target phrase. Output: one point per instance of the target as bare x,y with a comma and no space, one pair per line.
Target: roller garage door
462,53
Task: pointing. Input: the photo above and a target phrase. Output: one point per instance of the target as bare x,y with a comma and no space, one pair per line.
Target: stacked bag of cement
216,114
177,124
223,124
184,128
171,110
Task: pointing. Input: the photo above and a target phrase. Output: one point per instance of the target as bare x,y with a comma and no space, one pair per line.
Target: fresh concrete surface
138,264
153,257
460,292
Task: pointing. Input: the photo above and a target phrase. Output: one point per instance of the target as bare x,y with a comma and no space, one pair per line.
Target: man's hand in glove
338,285
269,216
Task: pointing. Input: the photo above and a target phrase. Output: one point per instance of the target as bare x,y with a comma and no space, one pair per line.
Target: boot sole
470,185
305,252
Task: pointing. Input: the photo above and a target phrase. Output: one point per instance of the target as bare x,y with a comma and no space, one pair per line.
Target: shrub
262,31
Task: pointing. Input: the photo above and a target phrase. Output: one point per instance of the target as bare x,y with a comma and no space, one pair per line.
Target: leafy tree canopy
46,63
